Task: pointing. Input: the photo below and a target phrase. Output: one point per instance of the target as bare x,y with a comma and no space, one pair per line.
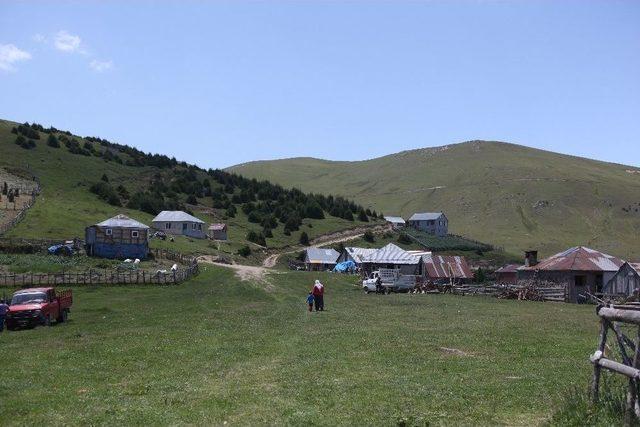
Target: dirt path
244,272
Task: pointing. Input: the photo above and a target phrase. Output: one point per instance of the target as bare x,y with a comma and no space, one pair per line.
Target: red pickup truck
38,306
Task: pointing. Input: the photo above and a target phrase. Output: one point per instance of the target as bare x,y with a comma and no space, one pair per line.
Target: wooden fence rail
611,318
21,214
188,269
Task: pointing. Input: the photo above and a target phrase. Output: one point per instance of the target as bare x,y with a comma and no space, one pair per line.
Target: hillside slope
145,184
506,194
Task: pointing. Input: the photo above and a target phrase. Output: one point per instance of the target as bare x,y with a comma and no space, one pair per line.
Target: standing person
310,300
3,312
318,295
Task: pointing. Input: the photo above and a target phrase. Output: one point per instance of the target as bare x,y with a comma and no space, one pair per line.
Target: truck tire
65,315
47,321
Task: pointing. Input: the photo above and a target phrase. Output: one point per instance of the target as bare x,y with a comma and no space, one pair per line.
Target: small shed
395,221
320,259
217,231
179,223
507,274
440,267
119,237
626,282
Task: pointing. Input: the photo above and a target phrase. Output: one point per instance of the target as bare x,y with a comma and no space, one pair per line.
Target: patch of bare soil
454,351
244,272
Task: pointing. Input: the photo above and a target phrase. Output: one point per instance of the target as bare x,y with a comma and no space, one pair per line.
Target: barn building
119,237
580,268
435,223
179,223
626,282
450,268
507,274
320,259
217,232
396,222
392,256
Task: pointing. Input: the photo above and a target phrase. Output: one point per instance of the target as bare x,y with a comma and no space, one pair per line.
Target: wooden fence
21,214
611,318
546,291
187,269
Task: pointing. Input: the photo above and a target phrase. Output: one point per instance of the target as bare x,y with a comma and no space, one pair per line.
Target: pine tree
304,238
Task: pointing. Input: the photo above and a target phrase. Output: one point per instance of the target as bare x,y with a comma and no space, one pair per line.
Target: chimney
530,258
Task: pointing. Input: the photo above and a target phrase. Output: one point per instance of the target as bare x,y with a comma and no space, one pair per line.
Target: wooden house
217,232
119,237
396,222
507,274
392,256
579,268
435,223
626,282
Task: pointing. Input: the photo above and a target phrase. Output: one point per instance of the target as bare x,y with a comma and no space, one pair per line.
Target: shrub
403,238
231,211
105,178
191,199
244,251
27,144
304,238
362,216
257,238
106,192
369,237
52,141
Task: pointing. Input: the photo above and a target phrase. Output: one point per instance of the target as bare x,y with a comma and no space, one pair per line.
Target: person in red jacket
318,295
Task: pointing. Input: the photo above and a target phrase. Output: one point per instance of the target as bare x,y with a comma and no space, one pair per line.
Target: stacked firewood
525,293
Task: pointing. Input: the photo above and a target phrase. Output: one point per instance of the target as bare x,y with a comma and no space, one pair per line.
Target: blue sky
220,83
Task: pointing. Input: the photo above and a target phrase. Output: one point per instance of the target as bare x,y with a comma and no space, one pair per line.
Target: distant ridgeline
175,184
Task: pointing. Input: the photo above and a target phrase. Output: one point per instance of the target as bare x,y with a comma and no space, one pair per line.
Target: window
193,226
108,232
199,226
184,226
135,234
167,225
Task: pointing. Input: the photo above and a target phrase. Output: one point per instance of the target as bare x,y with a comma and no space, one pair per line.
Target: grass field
504,194
216,349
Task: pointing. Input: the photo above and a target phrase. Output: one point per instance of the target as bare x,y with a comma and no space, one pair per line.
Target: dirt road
244,272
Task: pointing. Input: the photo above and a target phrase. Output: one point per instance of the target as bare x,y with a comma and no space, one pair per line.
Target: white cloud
100,66
9,55
39,38
66,42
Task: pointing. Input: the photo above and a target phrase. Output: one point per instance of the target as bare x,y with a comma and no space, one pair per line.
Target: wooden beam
619,315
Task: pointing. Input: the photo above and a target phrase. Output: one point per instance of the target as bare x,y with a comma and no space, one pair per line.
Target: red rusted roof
635,266
445,267
578,258
509,268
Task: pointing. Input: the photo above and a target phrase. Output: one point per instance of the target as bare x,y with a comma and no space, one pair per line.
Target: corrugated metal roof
578,258
445,267
509,268
419,253
322,256
425,216
121,221
395,219
359,254
176,216
635,266
217,227
391,254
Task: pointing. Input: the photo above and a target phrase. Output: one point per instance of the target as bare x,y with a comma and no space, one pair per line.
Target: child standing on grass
310,301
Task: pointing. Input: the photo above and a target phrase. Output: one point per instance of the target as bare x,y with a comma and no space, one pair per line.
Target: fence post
595,382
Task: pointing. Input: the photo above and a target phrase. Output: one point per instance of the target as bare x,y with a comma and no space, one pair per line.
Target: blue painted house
119,237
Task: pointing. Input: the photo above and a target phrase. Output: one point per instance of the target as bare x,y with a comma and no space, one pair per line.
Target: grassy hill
143,185
509,195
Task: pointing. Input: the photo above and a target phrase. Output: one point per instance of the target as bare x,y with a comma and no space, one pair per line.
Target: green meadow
217,349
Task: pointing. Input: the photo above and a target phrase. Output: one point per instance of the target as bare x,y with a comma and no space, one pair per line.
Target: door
579,288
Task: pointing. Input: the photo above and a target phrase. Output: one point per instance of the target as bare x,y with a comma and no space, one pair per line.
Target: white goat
127,260
136,261
174,267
